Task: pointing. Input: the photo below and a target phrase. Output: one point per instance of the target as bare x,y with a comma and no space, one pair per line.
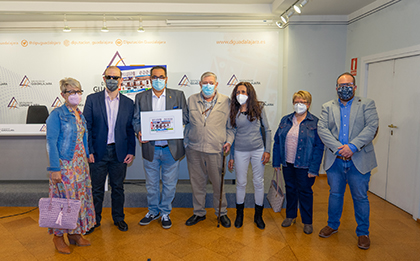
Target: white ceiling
20,14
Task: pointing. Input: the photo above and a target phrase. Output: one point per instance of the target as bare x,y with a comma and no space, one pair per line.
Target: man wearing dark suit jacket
160,156
112,144
347,127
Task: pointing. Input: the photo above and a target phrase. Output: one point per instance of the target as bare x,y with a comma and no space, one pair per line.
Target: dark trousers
298,190
117,171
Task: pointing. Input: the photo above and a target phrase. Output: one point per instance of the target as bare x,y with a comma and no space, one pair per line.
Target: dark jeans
117,171
298,190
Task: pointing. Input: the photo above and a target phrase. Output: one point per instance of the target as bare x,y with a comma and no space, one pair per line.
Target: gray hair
69,82
206,74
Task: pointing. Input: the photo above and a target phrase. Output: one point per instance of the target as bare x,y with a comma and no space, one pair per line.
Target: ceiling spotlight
297,9
141,29
280,24
283,18
104,28
290,12
66,28
303,3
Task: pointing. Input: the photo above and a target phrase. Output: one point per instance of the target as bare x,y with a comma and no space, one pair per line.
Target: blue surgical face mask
158,84
345,93
112,84
208,90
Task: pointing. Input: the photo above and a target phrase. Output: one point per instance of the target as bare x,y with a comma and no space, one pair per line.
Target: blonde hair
69,82
303,95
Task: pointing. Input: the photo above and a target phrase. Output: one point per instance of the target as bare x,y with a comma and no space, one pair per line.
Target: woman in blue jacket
298,148
68,152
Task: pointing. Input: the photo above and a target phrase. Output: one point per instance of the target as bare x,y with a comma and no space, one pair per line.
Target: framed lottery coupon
162,125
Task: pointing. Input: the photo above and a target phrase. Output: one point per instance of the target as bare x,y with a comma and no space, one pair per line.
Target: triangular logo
120,59
233,81
13,103
25,82
184,81
57,103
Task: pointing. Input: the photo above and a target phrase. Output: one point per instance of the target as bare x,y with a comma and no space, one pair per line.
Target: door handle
392,126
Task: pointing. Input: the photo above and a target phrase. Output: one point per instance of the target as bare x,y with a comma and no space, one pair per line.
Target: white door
397,144
380,88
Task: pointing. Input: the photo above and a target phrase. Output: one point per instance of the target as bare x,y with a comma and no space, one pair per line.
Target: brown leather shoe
77,239
327,232
60,245
364,242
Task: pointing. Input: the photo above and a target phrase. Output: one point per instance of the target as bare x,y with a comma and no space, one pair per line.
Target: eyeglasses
109,77
73,92
304,102
349,84
154,77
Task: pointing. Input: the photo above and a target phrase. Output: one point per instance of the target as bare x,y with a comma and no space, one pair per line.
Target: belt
111,144
343,158
164,146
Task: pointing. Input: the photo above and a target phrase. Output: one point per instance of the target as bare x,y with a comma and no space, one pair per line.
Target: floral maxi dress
75,176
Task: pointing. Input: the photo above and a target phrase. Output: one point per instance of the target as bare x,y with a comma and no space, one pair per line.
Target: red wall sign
353,67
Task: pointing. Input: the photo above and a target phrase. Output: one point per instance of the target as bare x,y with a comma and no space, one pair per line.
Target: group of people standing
85,148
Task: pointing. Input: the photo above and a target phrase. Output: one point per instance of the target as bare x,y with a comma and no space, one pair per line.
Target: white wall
394,27
315,57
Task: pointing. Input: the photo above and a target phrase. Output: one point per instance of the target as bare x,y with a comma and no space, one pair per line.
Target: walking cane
221,188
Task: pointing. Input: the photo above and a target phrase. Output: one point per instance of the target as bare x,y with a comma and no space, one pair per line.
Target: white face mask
300,108
241,98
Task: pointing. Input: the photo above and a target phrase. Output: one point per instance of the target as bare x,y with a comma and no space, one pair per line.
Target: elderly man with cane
208,135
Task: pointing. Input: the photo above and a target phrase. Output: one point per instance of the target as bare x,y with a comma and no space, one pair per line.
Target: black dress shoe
121,225
92,229
225,221
194,220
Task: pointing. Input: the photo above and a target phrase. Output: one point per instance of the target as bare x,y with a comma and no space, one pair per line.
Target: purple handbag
61,213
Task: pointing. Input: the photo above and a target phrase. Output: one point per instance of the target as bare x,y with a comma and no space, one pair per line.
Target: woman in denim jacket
68,152
299,149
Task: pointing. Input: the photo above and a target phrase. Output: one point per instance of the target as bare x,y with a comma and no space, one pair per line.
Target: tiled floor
394,234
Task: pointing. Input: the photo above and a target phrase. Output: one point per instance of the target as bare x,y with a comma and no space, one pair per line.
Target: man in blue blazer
347,127
160,157
112,144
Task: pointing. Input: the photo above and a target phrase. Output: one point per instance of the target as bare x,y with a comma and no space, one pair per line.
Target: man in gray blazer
160,156
347,127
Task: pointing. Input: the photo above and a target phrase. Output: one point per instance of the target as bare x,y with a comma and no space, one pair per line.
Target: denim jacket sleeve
85,137
53,132
276,149
316,157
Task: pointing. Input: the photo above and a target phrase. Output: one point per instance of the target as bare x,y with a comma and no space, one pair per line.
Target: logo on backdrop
185,81
233,81
24,43
25,82
97,88
120,59
57,103
268,104
13,104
